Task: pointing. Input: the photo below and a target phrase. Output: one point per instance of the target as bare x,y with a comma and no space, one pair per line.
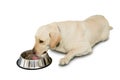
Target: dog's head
46,36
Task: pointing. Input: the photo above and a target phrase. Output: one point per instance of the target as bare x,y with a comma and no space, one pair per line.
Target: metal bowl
30,64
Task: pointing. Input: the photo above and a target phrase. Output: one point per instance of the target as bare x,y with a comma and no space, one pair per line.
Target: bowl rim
42,56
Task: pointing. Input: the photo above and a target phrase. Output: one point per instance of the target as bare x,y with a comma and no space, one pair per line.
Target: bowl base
33,68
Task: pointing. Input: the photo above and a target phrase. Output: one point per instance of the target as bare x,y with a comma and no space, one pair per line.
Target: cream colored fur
76,38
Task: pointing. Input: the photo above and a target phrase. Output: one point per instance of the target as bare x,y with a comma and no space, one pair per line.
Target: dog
75,38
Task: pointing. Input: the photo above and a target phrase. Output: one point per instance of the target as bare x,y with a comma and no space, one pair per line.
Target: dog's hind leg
83,50
105,34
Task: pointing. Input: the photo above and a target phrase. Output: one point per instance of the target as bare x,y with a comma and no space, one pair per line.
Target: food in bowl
29,55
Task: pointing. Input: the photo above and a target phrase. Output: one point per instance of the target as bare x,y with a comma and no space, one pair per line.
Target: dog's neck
58,28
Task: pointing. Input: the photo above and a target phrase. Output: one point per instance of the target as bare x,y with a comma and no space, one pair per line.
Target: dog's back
93,29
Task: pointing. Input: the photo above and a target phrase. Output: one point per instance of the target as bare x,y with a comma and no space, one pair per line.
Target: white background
19,21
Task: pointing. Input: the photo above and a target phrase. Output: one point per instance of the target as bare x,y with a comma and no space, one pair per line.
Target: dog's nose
33,51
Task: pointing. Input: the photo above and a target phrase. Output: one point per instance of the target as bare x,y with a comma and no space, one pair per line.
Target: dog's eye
41,41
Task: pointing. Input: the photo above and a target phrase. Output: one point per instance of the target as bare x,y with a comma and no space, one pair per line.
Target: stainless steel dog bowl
30,64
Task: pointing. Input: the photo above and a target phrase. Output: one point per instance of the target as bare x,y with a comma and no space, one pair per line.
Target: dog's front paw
64,61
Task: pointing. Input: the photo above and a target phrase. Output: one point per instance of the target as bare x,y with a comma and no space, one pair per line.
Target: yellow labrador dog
75,38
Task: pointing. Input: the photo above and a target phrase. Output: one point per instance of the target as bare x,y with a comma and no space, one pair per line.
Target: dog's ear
55,39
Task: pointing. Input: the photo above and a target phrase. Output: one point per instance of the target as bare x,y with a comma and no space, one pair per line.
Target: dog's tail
110,27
